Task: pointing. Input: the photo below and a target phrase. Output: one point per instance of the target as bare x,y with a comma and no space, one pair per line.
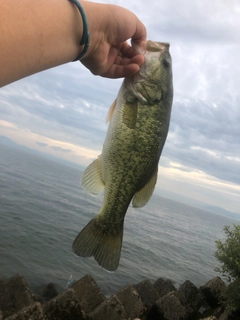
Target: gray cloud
68,103
61,149
206,137
42,144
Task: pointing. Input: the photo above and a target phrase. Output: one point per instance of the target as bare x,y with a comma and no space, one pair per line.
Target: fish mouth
151,46
152,49
155,46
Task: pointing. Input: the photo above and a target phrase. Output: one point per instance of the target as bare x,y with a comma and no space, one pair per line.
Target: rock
213,291
147,293
168,307
64,307
47,292
85,301
131,302
190,311
88,293
164,286
204,309
14,295
190,294
109,309
217,312
33,312
229,315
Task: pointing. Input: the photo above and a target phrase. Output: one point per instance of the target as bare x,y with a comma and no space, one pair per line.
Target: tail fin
95,241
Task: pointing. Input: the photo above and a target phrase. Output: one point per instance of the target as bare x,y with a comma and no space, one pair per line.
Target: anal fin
142,196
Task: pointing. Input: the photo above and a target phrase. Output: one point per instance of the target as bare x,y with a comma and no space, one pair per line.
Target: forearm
37,35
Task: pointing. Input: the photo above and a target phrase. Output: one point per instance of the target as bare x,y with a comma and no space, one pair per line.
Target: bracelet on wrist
86,35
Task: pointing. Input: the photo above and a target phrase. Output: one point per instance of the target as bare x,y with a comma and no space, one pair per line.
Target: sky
62,111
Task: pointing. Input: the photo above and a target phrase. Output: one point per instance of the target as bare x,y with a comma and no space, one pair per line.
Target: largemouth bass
128,166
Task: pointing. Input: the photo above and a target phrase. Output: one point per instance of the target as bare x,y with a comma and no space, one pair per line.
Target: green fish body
128,165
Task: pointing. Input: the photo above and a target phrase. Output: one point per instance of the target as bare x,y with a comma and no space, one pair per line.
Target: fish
127,168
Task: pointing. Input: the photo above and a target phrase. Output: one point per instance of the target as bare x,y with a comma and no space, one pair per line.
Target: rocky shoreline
83,300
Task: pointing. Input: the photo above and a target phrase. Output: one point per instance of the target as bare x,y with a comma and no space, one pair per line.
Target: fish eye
166,63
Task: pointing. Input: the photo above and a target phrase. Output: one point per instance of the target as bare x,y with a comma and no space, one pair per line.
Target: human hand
54,40
109,55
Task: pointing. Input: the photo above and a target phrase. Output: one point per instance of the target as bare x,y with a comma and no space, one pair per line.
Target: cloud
41,144
206,137
61,149
64,109
7,124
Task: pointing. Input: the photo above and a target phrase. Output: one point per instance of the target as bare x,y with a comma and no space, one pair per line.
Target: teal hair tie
85,36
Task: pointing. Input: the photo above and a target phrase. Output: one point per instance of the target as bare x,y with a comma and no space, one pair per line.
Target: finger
138,59
127,50
133,51
119,67
140,35
119,71
126,55
139,47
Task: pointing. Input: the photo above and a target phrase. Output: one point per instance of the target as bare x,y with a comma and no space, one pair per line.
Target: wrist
96,17
85,33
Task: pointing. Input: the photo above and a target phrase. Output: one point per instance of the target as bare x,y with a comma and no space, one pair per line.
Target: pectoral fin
130,114
92,177
143,195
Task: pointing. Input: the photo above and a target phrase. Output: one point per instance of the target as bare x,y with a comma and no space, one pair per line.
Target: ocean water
43,207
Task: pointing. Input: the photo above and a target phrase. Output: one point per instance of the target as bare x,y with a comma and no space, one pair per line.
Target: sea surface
43,207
